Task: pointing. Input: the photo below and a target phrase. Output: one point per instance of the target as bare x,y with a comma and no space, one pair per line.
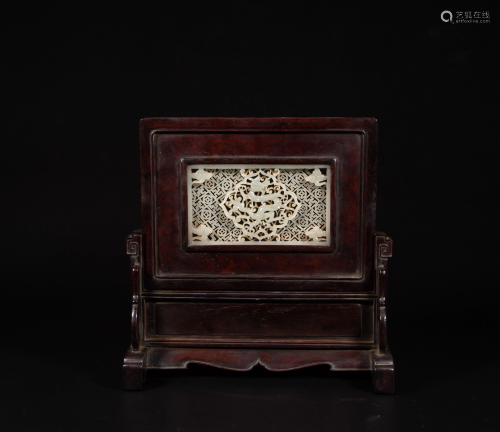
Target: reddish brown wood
383,372
166,142
383,251
134,249
255,324
134,369
243,360
168,199
234,306
260,319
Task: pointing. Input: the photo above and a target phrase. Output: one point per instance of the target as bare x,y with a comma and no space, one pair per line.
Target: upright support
134,367
382,361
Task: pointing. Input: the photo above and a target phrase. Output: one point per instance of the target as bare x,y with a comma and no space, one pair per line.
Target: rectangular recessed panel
259,204
258,319
176,255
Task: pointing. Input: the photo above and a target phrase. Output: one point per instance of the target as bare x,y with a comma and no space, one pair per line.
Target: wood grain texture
243,323
166,142
134,369
244,360
134,250
168,198
260,319
383,251
234,308
383,372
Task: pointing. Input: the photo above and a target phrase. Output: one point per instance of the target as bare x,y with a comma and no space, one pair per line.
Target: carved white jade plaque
276,204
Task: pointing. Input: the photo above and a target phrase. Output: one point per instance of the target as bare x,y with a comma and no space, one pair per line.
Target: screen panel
177,256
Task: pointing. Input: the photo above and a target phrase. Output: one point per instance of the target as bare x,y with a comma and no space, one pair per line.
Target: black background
75,83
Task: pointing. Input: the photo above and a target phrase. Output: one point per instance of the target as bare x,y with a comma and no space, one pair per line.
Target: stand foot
134,369
383,372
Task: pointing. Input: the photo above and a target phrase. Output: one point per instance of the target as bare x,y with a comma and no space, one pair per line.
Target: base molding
246,359
136,363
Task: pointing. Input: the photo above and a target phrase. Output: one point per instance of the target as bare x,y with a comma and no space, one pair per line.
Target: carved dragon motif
260,205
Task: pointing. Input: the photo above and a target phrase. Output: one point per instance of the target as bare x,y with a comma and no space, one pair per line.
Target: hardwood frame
338,292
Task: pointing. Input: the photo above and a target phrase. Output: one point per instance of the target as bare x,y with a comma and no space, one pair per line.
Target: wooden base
383,372
137,362
134,369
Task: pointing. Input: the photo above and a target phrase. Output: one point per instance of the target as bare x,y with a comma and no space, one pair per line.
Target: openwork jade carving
253,204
